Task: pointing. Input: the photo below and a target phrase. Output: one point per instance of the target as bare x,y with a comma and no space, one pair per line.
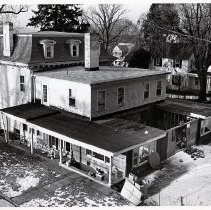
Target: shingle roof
105,74
87,132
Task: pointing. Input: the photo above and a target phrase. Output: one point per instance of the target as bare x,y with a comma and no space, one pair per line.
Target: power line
178,33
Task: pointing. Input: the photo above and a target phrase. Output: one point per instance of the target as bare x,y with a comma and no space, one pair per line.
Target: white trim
118,95
198,116
97,100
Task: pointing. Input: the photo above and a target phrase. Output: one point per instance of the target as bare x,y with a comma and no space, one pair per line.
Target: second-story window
159,88
45,93
196,81
146,90
48,48
158,62
177,63
22,83
121,96
101,100
71,99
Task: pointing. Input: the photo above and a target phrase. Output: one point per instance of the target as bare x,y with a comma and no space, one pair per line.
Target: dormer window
74,47
48,48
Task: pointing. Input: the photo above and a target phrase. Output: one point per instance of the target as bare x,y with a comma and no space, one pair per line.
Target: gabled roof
125,49
176,51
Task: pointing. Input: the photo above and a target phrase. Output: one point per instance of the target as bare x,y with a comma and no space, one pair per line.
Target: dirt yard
181,175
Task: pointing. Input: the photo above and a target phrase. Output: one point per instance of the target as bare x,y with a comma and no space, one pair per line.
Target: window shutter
180,63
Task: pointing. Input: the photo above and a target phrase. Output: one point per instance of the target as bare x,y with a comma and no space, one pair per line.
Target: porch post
110,171
60,151
32,151
7,130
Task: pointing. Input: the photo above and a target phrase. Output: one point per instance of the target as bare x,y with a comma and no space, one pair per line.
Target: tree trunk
203,86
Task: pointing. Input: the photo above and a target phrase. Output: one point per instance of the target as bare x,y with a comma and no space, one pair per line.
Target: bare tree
104,19
12,9
195,20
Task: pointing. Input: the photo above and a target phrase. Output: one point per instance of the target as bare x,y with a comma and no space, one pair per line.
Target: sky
134,10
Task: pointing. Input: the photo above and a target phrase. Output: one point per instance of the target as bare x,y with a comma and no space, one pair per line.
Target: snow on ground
194,184
77,194
20,172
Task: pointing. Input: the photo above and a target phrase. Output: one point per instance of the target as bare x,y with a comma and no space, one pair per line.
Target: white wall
10,94
58,94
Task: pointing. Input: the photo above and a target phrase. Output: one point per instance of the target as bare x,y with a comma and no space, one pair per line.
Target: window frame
70,97
100,110
151,147
48,44
196,79
144,91
43,100
22,83
159,88
177,63
156,63
123,87
89,154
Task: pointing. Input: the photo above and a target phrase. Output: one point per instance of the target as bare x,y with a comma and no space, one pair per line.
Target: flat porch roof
185,107
86,133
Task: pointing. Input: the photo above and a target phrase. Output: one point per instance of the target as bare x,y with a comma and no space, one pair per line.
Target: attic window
48,48
74,47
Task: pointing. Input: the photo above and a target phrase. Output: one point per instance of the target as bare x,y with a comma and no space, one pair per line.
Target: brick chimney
92,51
8,38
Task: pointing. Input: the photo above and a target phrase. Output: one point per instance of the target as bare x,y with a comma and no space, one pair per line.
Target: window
176,80
68,146
196,81
71,99
101,100
177,63
97,156
121,97
25,127
158,62
45,93
22,85
141,154
159,88
74,47
48,48
146,90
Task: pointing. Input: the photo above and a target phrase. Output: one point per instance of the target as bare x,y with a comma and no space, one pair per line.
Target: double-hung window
158,62
159,88
71,99
121,96
45,93
146,90
101,100
48,48
22,83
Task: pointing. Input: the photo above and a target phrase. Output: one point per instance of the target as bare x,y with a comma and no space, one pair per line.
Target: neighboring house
120,52
179,61
98,121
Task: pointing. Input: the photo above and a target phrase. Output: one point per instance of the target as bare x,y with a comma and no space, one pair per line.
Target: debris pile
195,153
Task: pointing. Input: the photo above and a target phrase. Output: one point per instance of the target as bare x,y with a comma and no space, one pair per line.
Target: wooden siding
58,94
10,86
133,94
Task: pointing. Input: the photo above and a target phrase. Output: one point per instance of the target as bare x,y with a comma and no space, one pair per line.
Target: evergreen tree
59,17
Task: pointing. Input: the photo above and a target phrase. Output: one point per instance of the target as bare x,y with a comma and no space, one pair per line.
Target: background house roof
105,74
